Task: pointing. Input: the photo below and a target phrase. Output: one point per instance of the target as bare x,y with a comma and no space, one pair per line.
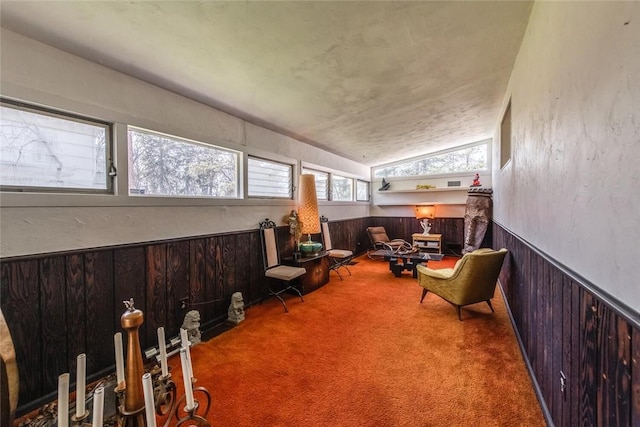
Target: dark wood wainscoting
63,304
568,325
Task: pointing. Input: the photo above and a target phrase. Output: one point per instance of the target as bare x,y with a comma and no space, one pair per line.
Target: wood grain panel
53,314
256,269
76,310
635,378
177,284
197,276
98,270
129,282
243,252
21,309
589,318
215,286
231,252
155,314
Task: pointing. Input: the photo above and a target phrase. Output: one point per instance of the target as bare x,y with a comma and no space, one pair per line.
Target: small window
267,178
44,150
341,188
322,183
471,158
505,137
362,191
163,165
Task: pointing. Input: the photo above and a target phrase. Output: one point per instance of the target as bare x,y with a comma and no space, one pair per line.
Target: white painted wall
34,72
572,188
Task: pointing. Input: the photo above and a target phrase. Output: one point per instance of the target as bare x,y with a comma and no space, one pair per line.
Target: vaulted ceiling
373,81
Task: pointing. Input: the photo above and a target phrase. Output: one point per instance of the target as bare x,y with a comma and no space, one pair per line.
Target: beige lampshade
308,205
425,211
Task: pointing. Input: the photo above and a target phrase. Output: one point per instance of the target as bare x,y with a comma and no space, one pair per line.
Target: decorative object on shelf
308,214
236,308
424,187
476,217
476,181
385,185
192,325
424,213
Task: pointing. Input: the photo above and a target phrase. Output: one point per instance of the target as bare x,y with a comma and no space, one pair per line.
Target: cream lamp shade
308,205
308,214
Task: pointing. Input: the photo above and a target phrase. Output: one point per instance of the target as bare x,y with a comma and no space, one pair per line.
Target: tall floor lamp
308,214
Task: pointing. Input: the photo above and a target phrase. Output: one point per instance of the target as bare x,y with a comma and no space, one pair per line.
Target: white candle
185,344
186,377
63,400
81,377
162,345
98,407
149,405
117,339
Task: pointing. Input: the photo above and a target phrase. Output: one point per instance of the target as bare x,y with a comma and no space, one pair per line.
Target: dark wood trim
566,324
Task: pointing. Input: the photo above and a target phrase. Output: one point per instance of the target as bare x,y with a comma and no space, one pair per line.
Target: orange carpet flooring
364,352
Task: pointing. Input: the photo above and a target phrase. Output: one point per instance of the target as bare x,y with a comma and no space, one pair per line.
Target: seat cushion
285,272
339,253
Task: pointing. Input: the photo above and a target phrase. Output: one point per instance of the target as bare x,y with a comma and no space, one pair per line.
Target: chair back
326,236
377,235
270,254
478,273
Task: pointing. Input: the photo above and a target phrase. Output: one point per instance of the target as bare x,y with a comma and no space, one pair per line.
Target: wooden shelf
431,190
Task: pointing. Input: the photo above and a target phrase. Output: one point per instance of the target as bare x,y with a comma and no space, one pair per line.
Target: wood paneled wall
566,324
60,305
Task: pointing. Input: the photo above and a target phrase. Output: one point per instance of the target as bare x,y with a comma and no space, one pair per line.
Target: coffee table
410,260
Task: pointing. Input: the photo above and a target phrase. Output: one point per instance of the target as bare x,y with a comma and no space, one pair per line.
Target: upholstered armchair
472,280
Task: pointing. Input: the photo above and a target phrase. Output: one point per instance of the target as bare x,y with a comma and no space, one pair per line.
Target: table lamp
308,214
424,213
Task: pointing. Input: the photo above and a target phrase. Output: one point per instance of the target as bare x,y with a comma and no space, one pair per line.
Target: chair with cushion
338,258
380,240
281,275
472,280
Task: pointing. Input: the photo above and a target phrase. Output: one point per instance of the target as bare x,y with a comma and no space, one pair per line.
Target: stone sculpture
236,308
192,325
476,218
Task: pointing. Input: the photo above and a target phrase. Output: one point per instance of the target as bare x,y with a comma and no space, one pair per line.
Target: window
322,183
163,165
43,150
269,179
471,158
362,191
505,137
341,188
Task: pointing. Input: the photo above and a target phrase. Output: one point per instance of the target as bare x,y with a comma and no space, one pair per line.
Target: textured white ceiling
373,81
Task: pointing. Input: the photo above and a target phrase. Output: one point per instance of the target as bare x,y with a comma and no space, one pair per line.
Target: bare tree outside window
42,150
161,165
469,159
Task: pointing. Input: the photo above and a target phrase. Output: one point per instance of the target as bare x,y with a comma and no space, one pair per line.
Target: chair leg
459,315
424,293
490,306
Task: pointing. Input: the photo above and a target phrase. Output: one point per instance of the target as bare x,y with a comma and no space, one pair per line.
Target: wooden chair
282,275
338,258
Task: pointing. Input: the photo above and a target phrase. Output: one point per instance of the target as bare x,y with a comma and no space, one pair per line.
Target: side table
428,242
317,274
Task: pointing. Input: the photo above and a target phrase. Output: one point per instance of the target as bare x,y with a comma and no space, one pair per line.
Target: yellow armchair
472,280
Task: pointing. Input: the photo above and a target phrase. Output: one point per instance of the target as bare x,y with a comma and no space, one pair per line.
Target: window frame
505,136
332,192
110,171
368,184
264,159
236,153
485,142
316,172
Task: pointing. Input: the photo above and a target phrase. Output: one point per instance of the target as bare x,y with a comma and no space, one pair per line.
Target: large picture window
43,150
163,165
271,179
473,158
